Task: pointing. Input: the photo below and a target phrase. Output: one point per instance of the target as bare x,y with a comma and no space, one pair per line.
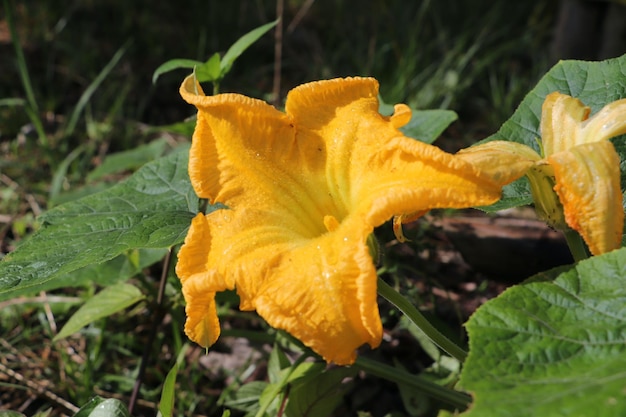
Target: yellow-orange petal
609,122
194,254
200,283
502,160
401,115
588,184
235,133
560,126
401,219
324,293
202,324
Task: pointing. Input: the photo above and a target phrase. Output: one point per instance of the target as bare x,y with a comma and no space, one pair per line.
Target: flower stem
576,245
457,399
420,321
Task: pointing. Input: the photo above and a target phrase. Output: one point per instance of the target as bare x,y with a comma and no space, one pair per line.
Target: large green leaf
152,209
552,347
594,83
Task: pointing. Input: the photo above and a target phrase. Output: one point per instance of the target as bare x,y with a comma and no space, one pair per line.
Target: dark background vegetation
477,57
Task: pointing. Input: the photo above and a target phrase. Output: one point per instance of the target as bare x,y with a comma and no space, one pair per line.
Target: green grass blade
32,109
60,173
166,405
21,60
242,44
86,96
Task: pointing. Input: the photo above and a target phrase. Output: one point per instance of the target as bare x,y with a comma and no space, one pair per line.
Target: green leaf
210,70
241,45
552,348
318,393
151,209
118,269
594,83
172,65
247,397
277,362
166,405
129,160
427,125
100,407
108,301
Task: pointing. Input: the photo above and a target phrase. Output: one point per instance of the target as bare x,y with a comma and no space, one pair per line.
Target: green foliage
168,393
552,347
100,407
131,159
108,301
586,81
152,209
215,68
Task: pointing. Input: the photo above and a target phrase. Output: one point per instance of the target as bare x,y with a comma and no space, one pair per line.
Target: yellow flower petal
199,284
588,185
305,189
202,325
561,117
324,293
609,122
502,160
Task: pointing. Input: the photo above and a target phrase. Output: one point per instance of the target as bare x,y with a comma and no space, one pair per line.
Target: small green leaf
278,362
210,70
166,405
108,301
241,45
172,65
100,407
552,348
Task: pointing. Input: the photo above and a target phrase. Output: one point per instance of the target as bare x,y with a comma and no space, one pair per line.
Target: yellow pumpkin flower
576,182
303,191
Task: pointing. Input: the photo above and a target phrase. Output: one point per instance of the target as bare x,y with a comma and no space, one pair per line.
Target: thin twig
159,313
300,15
38,389
278,51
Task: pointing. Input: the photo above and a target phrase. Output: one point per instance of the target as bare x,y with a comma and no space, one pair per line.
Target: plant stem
457,399
420,321
159,314
576,245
